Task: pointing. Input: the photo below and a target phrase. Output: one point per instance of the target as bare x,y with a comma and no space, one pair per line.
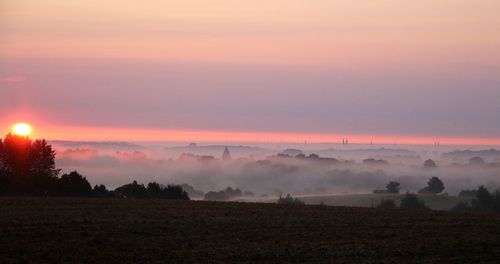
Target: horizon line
114,134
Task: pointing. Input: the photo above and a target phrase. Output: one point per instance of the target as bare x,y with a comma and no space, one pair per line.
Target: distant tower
226,155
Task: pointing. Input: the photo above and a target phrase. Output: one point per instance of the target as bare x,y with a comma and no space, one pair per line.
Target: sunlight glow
21,129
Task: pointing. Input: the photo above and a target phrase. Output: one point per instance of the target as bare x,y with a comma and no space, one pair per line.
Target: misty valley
330,174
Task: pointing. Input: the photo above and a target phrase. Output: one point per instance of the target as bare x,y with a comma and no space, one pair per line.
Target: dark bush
467,193
153,190
101,191
387,204
434,186
216,196
430,164
476,161
484,201
174,192
233,193
393,187
132,190
192,192
289,200
73,184
411,201
462,207
223,195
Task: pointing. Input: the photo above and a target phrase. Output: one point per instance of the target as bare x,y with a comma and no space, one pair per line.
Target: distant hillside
217,150
491,155
379,153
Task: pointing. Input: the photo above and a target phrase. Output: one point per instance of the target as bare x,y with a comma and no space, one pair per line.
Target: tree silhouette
101,191
153,190
26,167
289,200
42,165
393,187
434,186
484,199
133,190
411,201
73,184
484,202
476,161
386,204
216,196
430,164
156,190
174,192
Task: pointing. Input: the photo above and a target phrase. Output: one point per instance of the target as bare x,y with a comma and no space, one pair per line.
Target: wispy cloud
13,78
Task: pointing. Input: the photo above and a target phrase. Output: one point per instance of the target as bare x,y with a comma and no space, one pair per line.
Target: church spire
226,155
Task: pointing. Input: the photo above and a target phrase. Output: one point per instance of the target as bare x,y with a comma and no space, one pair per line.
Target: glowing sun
21,129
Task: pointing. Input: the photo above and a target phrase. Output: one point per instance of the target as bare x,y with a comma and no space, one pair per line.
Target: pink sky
410,70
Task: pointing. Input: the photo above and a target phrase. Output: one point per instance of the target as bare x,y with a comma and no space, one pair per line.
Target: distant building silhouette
226,155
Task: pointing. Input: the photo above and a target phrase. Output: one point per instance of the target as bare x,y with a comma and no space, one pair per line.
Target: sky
232,70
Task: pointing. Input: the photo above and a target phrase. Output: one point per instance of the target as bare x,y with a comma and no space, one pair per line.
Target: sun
21,129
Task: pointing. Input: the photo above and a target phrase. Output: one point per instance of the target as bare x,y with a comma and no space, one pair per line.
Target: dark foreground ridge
100,230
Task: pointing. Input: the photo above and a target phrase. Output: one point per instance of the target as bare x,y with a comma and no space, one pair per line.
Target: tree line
27,167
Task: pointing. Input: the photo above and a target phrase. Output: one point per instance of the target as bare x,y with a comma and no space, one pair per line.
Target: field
73,230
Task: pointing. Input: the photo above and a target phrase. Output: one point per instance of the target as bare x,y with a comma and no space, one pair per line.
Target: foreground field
141,231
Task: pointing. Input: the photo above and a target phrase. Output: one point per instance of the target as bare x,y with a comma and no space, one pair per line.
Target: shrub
486,201
393,187
434,186
73,184
461,207
192,192
153,190
476,161
223,195
387,204
411,201
216,196
288,199
430,164
133,189
173,192
233,193
467,193
101,191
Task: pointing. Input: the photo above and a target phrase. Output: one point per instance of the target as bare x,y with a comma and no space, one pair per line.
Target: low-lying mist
263,172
